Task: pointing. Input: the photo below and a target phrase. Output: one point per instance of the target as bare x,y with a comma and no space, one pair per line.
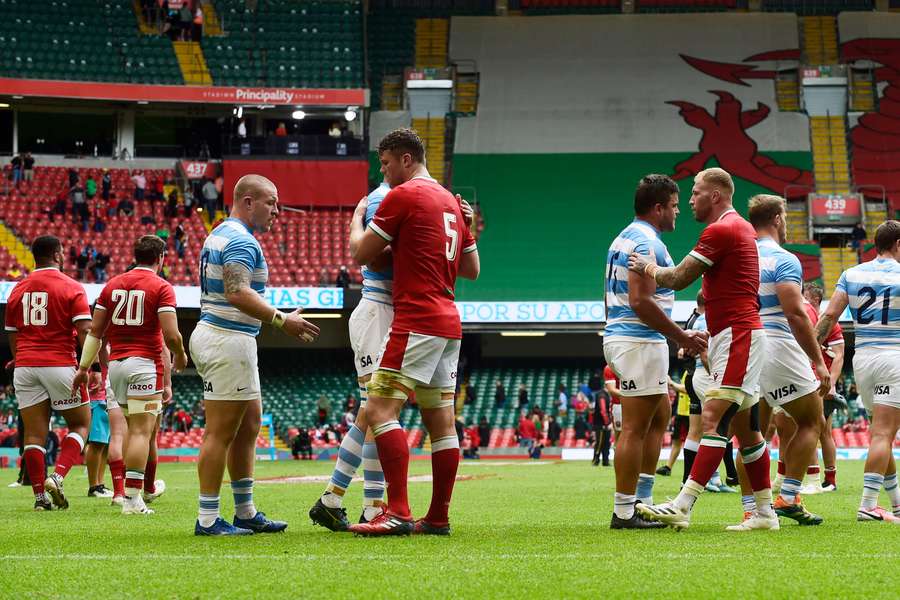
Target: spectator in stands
185,20
242,128
158,190
99,210
343,277
595,383
163,234
168,417
73,176
210,199
526,431
28,167
180,240
171,204
15,174
281,130
562,401
523,396
470,442
101,261
140,185
323,404
602,425
10,419
183,420
90,189
554,431
471,392
335,130
499,394
197,26
84,259
60,206
301,445
581,428
80,210
484,432
857,237
106,185
124,206
325,277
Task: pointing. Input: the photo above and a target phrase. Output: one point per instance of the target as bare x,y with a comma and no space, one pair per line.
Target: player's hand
167,395
360,212
81,379
824,377
639,262
298,327
694,342
179,362
468,212
95,381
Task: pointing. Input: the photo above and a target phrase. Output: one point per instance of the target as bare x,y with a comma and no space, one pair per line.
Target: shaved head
718,178
253,186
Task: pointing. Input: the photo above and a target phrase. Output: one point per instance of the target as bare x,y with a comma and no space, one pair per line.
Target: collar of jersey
643,222
239,222
767,239
144,269
722,216
45,269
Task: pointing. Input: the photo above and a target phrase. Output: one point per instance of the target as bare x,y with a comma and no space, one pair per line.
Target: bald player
233,275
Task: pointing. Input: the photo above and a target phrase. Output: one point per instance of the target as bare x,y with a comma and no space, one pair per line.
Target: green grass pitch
523,529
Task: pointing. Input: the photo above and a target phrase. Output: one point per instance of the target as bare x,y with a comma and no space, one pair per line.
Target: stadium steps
392,92
279,443
432,43
192,63
876,214
834,262
466,93
144,27
862,90
787,92
829,148
433,131
819,40
16,247
797,221
211,24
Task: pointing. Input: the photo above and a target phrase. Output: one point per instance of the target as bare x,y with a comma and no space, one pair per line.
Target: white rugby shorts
133,379
736,358
38,384
368,327
787,373
877,372
617,417
642,367
227,363
429,360
701,382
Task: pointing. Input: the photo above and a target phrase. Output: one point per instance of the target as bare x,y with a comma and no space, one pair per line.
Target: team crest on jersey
882,390
783,392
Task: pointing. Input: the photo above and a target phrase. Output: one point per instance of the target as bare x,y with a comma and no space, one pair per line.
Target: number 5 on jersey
452,244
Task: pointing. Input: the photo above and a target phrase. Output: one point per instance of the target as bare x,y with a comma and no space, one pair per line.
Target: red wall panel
305,182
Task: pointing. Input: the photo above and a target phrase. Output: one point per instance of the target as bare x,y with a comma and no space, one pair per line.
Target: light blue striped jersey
776,265
874,292
699,325
622,324
377,285
231,242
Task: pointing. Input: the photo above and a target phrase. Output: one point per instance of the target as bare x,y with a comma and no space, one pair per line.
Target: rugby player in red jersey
42,313
726,257
136,313
431,245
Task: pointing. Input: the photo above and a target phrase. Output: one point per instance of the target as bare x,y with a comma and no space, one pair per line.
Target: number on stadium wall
132,303
453,243
873,296
34,308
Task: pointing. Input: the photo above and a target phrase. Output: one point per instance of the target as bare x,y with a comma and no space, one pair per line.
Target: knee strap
390,384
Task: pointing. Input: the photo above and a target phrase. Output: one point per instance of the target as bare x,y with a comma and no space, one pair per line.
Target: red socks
36,467
393,453
712,449
117,471
781,468
831,476
757,464
444,464
150,477
69,453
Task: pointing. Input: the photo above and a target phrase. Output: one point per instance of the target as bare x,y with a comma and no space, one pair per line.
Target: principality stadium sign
88,90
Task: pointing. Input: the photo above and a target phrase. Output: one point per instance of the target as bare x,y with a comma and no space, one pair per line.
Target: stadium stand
290,44
619,119
81,40
816,7
668,6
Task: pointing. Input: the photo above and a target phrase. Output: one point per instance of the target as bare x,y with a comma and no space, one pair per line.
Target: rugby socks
749,503
209,510
348,461
117,472
444,464
69,453
150,477
394,455
764,502
624,505
790,489
242,490
781,468
35,457
812,474
134,483
690,453
831,476
890,486
373,481
757,464
712,448
688,495
645,488
872,483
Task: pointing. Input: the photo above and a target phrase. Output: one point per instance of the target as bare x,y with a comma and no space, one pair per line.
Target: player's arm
13,309
612,390
689,270
168,321
678,387
91,342
167,375
836,307
791,300
470,265
640,297
11,337
238,293
365,244
837,363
